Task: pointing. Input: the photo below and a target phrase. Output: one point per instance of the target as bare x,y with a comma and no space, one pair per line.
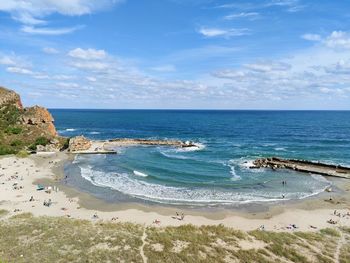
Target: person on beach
182,216
31,199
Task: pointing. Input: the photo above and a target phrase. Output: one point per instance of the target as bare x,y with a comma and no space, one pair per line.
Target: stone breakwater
82,145
303,166
174,143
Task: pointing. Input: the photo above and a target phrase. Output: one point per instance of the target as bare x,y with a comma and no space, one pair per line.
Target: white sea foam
169,154
246,164
196,147
132,186
70,130
281,149
94,132
320,178
137,173
167,194
235,176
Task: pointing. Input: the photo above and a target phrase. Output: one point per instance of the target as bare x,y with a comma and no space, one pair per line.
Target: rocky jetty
82,145
127,141
302,166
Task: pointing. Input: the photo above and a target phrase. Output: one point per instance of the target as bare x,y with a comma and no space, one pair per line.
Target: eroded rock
9,97
79,143
40,117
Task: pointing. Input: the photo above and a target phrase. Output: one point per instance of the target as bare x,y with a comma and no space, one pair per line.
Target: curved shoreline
82,205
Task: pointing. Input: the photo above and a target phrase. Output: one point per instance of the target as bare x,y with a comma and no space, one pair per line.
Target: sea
214,173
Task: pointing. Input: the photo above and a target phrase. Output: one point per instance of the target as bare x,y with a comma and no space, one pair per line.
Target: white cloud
164,68
31,13
39,8
91,79
290,5
50,50
18,70
90,65
250,15
221,32
287,5
48,30
268,66
63,77
341,67
338,39
87,54
68,85
5,60
311,37
27,19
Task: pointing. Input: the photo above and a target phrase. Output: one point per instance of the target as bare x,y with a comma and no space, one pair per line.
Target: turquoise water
217,171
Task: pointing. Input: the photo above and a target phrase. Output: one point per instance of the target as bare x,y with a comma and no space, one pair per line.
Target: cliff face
10,97
29,128
32,116
41,118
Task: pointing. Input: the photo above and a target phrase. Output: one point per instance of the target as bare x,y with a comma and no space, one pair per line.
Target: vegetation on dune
24,238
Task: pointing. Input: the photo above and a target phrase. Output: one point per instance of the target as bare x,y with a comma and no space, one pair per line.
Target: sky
177,54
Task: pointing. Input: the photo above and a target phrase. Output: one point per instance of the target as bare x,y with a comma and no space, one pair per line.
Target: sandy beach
18,184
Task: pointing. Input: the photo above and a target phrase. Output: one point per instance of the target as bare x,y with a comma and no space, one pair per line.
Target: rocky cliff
9,97
24,128
41,118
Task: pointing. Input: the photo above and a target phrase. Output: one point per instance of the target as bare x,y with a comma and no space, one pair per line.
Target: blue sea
215,173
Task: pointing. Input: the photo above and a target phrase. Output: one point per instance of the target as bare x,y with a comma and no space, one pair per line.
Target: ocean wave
174,156
280,149
70,130
320,178
137,173
94,132
235,176
131,186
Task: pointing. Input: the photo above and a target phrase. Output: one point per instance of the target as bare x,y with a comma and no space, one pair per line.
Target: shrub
13,130
65,144
42,141
22,154
16,143
32,147
4,150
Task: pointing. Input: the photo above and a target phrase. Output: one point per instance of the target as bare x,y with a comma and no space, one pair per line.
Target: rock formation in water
79,143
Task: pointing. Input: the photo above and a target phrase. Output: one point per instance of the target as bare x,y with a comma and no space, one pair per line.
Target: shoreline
72,203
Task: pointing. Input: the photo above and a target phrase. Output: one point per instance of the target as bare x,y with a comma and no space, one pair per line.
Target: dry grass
24,238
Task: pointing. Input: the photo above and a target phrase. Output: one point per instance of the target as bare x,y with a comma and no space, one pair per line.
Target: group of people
48,203
182,217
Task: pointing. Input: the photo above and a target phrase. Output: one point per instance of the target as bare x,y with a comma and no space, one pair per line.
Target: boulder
79,143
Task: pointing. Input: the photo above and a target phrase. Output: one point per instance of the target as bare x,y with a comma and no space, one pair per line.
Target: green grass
47,239
3,212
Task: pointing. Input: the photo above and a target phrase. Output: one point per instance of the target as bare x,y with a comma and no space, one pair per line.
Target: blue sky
266,54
